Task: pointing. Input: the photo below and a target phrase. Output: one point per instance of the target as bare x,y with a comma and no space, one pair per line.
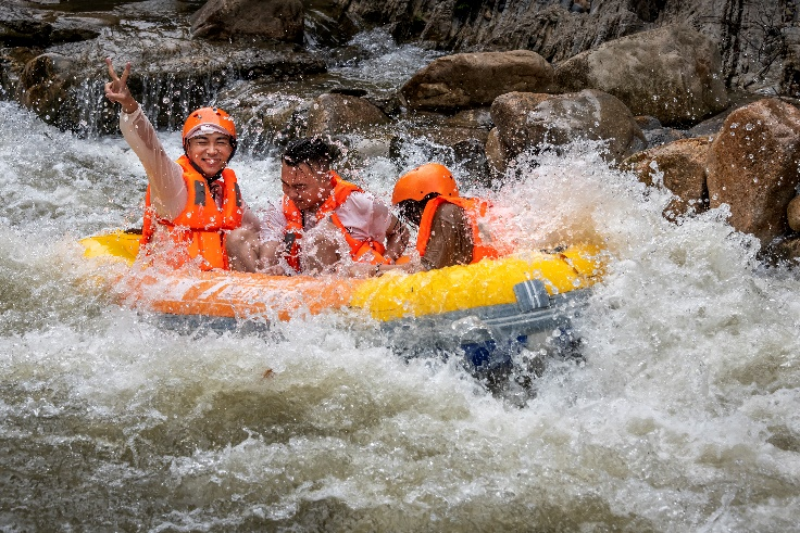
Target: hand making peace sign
117,89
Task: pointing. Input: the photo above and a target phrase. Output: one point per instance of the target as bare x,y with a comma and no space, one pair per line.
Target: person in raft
452,230
323,224
192,203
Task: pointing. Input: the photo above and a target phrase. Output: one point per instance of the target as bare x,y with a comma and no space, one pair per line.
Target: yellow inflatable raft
525,282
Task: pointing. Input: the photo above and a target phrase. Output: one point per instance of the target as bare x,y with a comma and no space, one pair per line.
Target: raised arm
168,193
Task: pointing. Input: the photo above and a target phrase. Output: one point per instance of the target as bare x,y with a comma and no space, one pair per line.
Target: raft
477,306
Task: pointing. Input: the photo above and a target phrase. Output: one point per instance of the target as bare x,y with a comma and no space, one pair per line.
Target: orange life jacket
487,242
367,251
199,230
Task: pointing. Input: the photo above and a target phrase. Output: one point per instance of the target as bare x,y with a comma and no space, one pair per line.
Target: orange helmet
426,179
215,118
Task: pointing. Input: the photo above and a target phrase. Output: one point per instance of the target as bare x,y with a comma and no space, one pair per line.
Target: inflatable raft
477,306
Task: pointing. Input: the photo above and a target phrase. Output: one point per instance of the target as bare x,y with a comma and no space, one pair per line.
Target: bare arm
396,238
249,219
168,192
450,242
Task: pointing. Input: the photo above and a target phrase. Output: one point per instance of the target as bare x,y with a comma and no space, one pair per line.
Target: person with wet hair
193,203
323,223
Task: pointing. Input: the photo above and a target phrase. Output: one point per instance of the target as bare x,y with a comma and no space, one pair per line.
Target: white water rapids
685,416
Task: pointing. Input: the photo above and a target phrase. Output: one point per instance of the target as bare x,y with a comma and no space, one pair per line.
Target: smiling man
321,222
192,203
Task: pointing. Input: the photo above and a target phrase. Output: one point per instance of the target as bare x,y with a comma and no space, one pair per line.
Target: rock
496,154
280,20
683,165
753,166
46,80
470,80
758,40
528,120
662,136
24,32
480,117
337,113
782,251
646,122
470,155
170,76
793,214
672,73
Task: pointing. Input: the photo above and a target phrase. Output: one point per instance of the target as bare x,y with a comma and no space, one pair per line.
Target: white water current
684,417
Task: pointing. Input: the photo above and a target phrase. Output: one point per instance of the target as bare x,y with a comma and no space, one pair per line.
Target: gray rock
281,20
337,113
529,120
469,80
672,73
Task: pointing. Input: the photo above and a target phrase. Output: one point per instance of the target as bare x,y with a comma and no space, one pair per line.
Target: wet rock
662,136
793,214
469,80
338,113
472,118
682,165
19,31
672,73
497,156
646,122
41,28
753,167
758,40
782,251
171,75
74,29
46,80
470,155
529,120
280,20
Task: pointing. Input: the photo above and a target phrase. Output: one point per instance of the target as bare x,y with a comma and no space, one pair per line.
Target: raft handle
531,295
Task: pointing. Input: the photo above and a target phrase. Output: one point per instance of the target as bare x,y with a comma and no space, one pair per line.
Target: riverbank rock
758,41
39,28
529,120
280,20
753,166
338,113
683,167
170,77
471,80
672,73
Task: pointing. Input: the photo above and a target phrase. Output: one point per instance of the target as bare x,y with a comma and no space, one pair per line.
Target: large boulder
280,20
528,120
753,166
339,113
682,168
471,80
673,73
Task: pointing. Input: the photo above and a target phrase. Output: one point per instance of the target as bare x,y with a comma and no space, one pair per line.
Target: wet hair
310,150
411,210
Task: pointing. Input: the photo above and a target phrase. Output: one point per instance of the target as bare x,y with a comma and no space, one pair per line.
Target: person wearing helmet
324,222
192,203
452,230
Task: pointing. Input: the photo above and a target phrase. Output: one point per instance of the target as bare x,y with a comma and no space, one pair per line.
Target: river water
684,417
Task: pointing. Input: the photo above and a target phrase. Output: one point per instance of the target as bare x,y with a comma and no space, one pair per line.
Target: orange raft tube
489,284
